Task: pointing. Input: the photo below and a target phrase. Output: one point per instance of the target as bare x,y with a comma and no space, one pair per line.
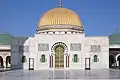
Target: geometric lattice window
26,48
23,49
75,46
95,48
75,58
43,58
43,47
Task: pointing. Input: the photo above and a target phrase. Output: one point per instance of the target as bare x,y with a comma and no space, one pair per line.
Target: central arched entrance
59,56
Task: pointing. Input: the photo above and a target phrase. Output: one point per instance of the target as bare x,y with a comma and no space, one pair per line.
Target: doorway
87,63
111,61
31,63
118,59
1,62
8,61
59,57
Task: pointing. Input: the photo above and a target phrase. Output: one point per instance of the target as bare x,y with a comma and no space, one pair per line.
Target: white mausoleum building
60,43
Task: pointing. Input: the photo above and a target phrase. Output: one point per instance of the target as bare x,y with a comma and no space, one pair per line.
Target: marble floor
60,74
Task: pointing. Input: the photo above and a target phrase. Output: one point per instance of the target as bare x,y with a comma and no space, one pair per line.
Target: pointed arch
8,61
118,59
57,44
43,58
95,58
75,58
1,62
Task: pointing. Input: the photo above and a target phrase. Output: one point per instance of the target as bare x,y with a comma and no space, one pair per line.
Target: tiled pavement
60,74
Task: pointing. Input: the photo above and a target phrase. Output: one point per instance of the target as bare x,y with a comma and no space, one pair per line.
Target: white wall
5,47
51,39
103,55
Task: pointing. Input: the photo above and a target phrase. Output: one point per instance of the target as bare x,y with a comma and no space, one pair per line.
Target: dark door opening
111,61
1,62
8,61
118,58
87,63
31,63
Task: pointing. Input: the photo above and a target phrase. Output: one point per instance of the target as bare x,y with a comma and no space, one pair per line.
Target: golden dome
60,16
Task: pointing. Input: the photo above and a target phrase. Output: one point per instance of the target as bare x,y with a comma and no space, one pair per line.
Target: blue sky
20,17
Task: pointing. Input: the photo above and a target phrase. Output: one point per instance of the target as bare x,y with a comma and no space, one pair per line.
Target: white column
4,64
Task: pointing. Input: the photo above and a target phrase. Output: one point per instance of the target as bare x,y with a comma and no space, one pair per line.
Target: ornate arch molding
117,56
57,44
112,55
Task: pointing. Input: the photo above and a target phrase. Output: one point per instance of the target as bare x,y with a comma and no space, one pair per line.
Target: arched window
43,58
75,58
95,58
23,59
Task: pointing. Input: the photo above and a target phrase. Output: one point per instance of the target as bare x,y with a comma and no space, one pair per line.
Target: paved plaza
60,74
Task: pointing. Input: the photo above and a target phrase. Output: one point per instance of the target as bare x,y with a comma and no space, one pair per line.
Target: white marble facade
87,49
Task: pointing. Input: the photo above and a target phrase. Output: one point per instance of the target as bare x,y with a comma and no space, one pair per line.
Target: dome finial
60,3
